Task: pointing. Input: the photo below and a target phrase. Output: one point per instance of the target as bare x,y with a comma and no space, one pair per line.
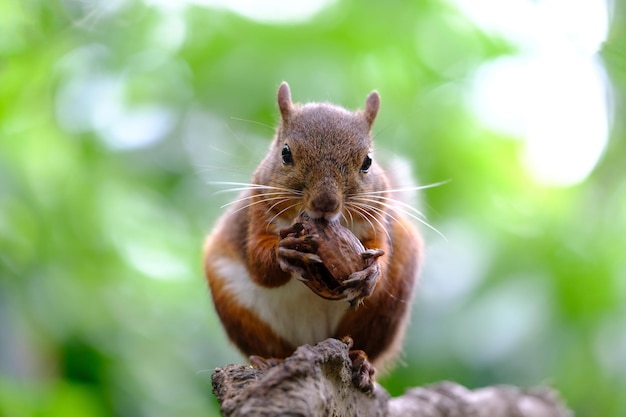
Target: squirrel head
323,153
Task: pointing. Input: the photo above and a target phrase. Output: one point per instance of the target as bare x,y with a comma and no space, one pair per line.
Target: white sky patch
553,94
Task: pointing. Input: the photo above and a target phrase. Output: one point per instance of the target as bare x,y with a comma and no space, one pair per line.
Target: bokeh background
116,116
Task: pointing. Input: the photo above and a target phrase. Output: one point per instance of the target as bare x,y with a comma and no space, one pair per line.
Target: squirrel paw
302,244
360,284
262,363
296,253
362,371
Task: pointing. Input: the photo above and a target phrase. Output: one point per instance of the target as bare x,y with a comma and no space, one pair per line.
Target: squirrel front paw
329,259
309,268
297,254
360,285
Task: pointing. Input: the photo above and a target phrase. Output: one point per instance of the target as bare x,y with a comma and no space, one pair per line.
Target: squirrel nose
325,204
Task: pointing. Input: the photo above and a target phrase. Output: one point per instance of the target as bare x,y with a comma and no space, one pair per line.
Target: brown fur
328,145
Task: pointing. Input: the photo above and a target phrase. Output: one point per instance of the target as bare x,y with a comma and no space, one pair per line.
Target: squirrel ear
371,107
284,100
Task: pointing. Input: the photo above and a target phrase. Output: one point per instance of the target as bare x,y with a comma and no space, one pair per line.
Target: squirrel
321,164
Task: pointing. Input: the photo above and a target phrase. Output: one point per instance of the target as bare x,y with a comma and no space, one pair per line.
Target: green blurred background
116,115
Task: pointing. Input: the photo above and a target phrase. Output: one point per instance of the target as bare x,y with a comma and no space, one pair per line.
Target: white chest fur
293,311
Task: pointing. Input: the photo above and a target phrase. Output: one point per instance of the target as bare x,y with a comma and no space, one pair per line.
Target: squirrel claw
304,244
295,262
262,363
372,253
304,257
362,371
360,285
292,269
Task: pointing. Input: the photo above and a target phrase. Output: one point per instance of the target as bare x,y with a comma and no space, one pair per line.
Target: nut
340,251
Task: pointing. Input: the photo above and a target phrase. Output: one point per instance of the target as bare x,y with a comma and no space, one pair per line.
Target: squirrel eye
367,163
286,155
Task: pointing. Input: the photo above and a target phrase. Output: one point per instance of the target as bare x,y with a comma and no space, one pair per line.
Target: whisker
351,218
246,206
260,202
280,201
377,220
272,196
404,211
400,210
279,213
414,188
254,122
366,215
204,168
367,208
343,217
376,194
406,206
359,212
265,200
244,186
380,211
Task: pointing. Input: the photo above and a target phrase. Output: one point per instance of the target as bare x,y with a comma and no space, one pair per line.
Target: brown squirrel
320,164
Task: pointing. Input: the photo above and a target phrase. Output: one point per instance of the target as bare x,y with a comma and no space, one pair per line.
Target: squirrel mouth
323,215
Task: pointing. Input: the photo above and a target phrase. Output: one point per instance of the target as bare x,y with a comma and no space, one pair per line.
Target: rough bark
318,381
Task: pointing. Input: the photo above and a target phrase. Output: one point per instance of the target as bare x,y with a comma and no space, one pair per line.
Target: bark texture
318,381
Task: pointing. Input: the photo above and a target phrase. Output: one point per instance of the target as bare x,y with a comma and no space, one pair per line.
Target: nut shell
340,251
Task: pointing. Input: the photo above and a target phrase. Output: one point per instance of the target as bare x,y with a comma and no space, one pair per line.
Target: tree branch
317,381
